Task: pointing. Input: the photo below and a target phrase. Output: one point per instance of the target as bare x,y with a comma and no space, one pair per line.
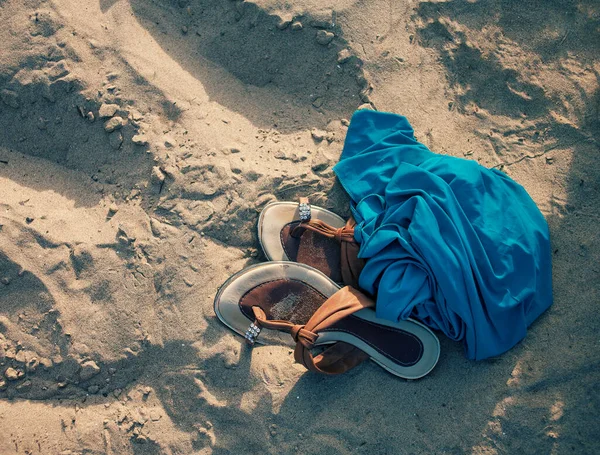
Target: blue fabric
462,248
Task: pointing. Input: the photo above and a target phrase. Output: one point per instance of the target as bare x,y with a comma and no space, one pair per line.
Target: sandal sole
228,311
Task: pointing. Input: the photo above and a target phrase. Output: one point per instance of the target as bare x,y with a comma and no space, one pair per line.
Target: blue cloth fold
462,248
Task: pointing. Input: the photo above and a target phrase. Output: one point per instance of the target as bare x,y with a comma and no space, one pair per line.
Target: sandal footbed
274,218
312,249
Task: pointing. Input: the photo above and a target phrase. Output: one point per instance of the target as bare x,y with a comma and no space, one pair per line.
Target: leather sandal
299,232
275,301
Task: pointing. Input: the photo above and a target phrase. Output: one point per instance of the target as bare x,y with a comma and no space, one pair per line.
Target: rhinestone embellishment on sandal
304,211
252,333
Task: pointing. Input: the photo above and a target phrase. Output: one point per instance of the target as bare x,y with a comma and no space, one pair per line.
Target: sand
139,140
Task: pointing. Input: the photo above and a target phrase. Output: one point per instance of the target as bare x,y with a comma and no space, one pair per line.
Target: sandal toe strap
338,358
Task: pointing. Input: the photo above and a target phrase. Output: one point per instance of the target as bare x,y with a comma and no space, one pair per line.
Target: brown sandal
311,235
267,301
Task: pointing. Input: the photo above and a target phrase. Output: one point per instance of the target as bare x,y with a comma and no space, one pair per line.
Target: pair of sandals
334,328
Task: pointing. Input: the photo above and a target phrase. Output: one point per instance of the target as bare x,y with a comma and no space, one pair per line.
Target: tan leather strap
336,359
344,234
298,332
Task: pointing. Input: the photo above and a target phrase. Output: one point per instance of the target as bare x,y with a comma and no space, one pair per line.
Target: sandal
299,232
267,301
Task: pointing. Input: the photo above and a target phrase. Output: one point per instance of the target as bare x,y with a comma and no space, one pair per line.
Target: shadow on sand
276,78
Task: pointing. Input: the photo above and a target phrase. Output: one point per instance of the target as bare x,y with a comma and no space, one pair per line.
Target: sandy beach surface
139,140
